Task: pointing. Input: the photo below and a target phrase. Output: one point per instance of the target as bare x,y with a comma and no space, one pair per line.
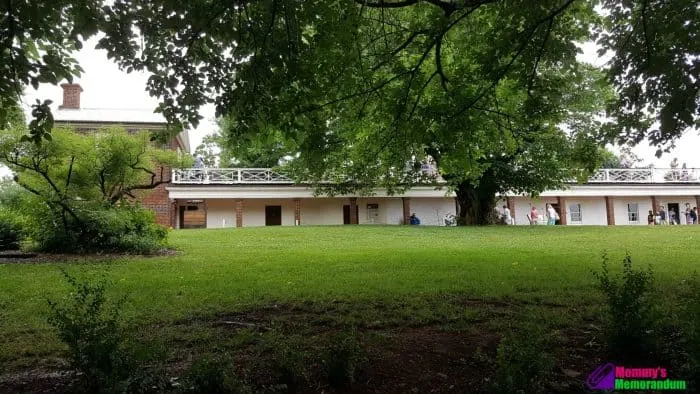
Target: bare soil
430,358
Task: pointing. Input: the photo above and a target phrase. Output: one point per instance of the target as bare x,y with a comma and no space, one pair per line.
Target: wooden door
273,215
346,213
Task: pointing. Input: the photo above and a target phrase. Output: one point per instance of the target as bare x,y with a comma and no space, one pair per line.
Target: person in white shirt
552,215
506,215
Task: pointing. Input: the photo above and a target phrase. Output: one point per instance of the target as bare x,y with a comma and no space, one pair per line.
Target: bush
521,360
90,328
691,337
342,359
213,376
10,230
631,314
128,228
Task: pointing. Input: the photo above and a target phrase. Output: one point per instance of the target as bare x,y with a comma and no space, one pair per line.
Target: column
654,207
406,210
174,210
561,201
239,213
610,210
297,211
511,205
353,210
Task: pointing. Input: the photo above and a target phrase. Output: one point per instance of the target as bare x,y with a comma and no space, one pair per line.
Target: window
575,213
633,213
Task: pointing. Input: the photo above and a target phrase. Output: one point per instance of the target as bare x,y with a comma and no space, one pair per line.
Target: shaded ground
19,257
429,356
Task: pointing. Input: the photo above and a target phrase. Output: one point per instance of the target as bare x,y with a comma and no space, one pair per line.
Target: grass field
367,274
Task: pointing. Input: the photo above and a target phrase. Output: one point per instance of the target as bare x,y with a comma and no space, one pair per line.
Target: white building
216,198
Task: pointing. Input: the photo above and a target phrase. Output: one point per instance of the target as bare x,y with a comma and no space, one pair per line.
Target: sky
105,86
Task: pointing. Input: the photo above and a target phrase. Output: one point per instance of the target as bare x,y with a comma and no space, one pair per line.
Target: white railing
646,175
229,176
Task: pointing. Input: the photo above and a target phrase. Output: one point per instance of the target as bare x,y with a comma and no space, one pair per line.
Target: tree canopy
486,88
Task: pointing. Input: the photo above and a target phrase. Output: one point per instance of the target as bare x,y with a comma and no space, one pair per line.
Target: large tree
362,87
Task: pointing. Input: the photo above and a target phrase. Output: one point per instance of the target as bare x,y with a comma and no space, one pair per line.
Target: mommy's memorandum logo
616,377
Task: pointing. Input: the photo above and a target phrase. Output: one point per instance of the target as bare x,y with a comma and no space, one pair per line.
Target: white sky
105,86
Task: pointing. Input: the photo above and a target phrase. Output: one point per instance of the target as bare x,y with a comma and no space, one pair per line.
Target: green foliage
213,375
691,329
81,186
39,39
632,317
10,230
343,358
89,326
522,359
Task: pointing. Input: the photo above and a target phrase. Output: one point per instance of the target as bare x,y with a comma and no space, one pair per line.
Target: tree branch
521,49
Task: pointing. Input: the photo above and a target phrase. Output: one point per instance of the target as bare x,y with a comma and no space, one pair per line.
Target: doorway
192,215
273,215
675,207
556,208
346,213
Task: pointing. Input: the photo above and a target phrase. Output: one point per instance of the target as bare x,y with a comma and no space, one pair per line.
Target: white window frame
630,212
575,215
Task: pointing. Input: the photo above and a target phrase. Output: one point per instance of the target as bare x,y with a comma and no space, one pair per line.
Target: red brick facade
297,212
353,210
239,213
71,96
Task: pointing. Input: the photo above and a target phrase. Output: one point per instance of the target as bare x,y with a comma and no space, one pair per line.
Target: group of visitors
660,217
551,214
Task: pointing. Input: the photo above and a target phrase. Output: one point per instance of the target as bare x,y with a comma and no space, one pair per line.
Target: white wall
621,216
431,211
254,211
322,211
221,213
592,211
524,204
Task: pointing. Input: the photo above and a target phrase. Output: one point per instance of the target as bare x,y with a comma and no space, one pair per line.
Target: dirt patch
431,358
19,257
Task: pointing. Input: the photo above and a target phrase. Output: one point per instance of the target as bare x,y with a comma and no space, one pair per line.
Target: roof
108,115
118,116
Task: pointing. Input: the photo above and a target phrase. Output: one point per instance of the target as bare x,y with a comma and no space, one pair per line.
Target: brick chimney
71,96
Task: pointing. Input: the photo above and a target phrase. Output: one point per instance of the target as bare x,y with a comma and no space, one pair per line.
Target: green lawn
232,270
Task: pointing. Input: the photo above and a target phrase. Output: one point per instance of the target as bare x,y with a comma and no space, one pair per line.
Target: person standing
506,215
650,218
694,215
534,215
552,215
671,217
662,215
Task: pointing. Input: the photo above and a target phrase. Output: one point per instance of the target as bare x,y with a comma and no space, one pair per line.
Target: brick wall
158,201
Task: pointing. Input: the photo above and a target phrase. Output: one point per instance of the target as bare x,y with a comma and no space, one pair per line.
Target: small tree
84,186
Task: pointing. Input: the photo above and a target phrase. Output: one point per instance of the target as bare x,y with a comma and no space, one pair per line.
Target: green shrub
342,359
522,359
631,313
213,375
128,228
10,230
89,326
691,337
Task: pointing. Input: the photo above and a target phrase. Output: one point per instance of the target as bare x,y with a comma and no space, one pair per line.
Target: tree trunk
475,203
